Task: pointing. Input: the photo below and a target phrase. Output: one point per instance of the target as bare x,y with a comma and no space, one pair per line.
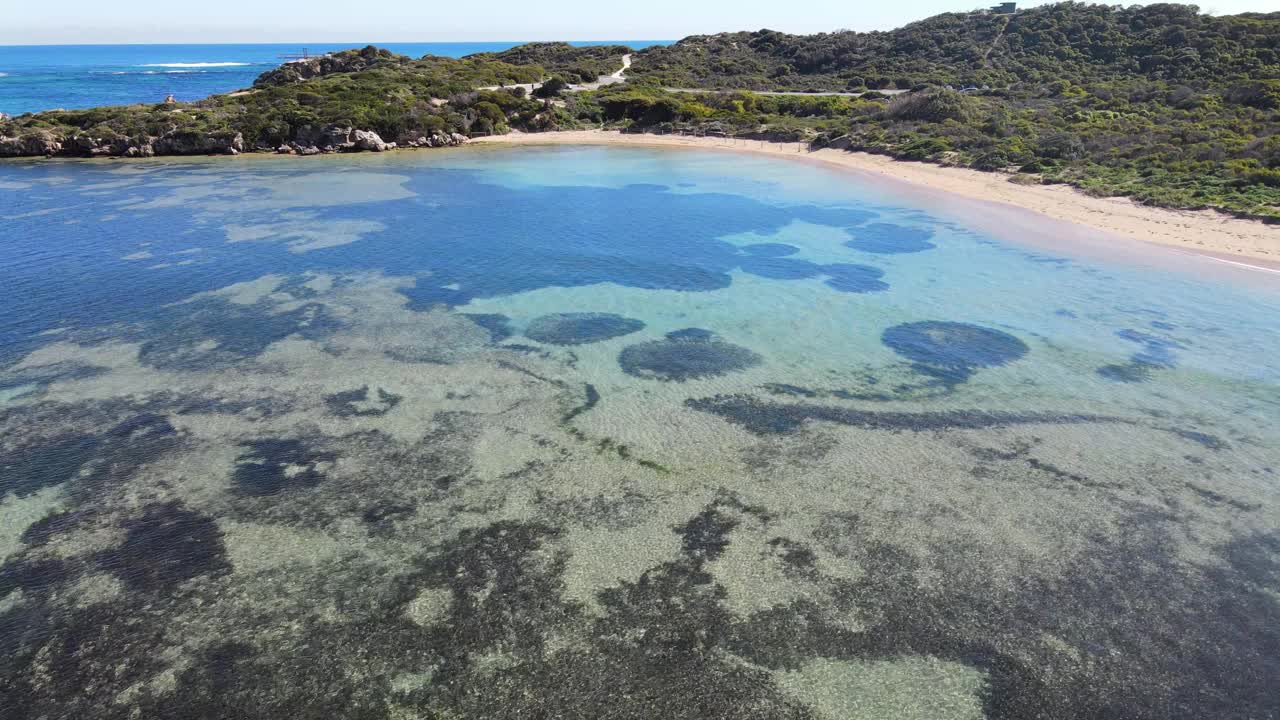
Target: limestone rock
368,140
337,137
180,142
42,143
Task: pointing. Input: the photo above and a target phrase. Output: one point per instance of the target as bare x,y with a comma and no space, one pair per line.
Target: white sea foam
196,65
4,74
142,72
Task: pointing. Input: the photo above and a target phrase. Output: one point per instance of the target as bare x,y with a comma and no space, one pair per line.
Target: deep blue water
43,77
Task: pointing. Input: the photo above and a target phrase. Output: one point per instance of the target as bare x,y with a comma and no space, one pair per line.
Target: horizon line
353,43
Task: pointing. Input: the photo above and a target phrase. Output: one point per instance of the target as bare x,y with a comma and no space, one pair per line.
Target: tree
931,106
551,88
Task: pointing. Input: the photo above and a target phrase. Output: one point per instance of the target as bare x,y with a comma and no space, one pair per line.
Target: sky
153,21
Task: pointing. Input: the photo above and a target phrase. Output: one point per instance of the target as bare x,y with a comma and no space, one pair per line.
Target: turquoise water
617,432
44,77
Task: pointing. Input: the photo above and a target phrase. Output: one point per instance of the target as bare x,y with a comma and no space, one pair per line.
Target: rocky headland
310,140
365,100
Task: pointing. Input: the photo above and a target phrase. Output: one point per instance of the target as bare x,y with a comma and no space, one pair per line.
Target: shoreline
1203,233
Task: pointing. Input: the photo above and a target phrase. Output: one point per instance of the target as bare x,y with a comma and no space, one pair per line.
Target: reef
357,403
688,356
498,326
591,396
213,332
780,268
770,249
580,328
26,470
166,546
887,239
1157,353
685,253
84,459
850,278
845,277
771,418
950,351
404,518
271,466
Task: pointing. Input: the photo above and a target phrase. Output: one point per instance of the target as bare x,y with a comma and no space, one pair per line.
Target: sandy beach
1207,232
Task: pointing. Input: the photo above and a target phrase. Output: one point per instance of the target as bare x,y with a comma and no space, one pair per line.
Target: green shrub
931,106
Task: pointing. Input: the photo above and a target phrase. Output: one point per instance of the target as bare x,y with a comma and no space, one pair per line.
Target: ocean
618,432
44,77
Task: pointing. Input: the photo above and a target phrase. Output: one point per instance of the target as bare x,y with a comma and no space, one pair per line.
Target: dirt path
626,63
620,76
785,93
603,80
992,46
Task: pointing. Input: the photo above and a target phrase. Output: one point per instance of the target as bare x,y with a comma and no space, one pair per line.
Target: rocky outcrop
343,62
418,139
314,140
30,145
337,138
309,140
331,137
192,143
840,142
369,140
172,143
89,146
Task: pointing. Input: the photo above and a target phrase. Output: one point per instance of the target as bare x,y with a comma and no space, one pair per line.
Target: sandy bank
1205,232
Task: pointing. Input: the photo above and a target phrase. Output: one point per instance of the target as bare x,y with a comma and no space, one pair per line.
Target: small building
1005,8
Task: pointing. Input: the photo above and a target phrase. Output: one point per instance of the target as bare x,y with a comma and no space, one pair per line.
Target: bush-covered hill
319,103
1159,102
1067,41
575,64
399,98
347,61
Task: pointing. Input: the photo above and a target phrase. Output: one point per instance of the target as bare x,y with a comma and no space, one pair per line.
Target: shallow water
615,433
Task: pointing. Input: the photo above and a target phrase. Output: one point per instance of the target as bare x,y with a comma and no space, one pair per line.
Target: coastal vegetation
1071,42
575,64
1159,103
316,104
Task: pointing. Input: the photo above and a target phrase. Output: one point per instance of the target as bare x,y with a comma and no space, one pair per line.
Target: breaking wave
196,65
